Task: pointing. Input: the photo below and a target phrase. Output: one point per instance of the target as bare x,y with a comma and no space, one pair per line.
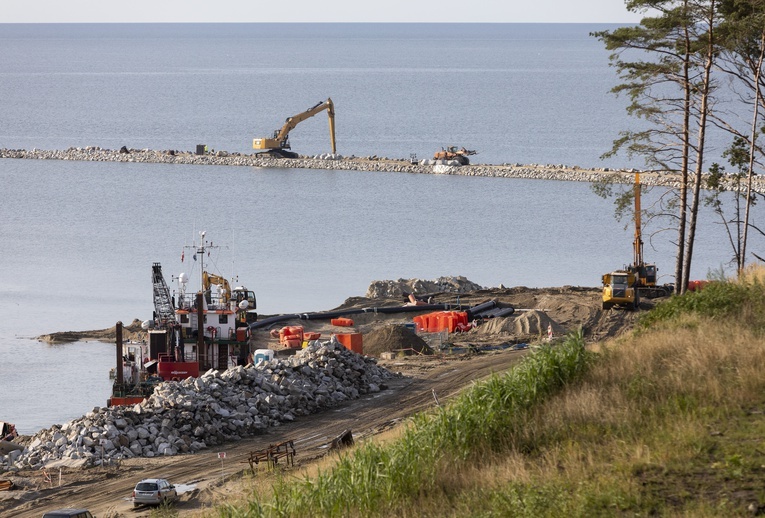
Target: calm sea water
514,92
79,238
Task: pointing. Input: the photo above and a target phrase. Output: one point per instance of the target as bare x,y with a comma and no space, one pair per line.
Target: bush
742,299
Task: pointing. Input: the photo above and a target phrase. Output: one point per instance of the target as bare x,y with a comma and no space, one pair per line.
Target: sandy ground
205,479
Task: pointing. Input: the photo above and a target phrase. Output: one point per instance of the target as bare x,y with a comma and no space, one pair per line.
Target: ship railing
189,302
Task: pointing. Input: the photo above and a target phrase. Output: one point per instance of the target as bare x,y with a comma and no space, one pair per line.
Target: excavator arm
208,279
638,244
280,139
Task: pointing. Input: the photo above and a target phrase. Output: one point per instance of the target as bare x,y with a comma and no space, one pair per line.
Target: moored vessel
196,329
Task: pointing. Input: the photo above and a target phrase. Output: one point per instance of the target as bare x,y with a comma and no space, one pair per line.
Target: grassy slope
669,421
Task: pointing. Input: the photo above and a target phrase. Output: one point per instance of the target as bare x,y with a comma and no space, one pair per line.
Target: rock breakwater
556,172
196,413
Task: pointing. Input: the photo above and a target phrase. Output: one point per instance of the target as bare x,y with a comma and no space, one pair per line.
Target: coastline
372,164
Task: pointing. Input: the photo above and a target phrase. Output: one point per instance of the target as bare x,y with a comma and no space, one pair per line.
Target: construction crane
278,145
164,312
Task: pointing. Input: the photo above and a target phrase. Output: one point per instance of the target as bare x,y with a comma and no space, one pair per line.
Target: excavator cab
246,313
649,274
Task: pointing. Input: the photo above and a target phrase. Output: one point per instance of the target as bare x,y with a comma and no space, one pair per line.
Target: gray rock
194,414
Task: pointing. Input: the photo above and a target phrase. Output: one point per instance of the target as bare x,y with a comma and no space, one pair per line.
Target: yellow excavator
625,287
208,279
645,273
246,313
278,145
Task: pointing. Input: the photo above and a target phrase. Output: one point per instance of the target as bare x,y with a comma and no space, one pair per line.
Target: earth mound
393,338
132,332
531,323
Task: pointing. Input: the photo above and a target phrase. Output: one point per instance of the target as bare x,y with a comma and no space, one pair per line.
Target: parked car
154,491
68,513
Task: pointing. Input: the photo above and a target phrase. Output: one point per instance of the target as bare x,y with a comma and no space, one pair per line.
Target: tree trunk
679,286
694,212
752,146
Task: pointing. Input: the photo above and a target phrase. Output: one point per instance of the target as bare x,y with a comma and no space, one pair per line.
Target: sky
499,11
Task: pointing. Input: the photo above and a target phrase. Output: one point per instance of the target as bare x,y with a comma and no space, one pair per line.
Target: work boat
191,332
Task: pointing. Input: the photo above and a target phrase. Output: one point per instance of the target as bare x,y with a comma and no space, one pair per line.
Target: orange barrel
352,341
342,322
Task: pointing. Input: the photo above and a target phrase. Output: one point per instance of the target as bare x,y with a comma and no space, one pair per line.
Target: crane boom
638,244
280,139
163,302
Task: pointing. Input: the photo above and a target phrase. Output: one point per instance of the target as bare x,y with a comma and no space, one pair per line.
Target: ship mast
200,250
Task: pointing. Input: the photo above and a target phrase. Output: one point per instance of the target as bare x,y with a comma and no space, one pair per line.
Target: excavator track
655,292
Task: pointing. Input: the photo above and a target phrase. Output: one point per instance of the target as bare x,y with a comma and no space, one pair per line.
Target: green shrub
717,300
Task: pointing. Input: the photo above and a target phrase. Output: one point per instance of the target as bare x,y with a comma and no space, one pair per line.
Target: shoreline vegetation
554,172
666,421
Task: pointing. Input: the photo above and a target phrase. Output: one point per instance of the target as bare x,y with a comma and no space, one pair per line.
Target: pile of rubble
402,287
193,414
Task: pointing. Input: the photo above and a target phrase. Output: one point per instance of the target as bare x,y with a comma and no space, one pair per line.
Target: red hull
128,400
177,370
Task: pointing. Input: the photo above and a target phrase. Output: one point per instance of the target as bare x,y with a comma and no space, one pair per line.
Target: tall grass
482,421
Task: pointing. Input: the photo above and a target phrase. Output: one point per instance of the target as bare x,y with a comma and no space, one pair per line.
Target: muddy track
104,491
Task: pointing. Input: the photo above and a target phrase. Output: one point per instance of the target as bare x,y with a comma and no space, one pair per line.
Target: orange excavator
454,153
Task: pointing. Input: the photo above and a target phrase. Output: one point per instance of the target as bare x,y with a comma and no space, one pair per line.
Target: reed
378,479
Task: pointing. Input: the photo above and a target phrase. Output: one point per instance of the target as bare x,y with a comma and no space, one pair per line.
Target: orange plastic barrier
441,321
342,322
293,343
352,341
311,336
291,336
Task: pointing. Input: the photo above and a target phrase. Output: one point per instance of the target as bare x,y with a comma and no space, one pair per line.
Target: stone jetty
191,415
557,172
